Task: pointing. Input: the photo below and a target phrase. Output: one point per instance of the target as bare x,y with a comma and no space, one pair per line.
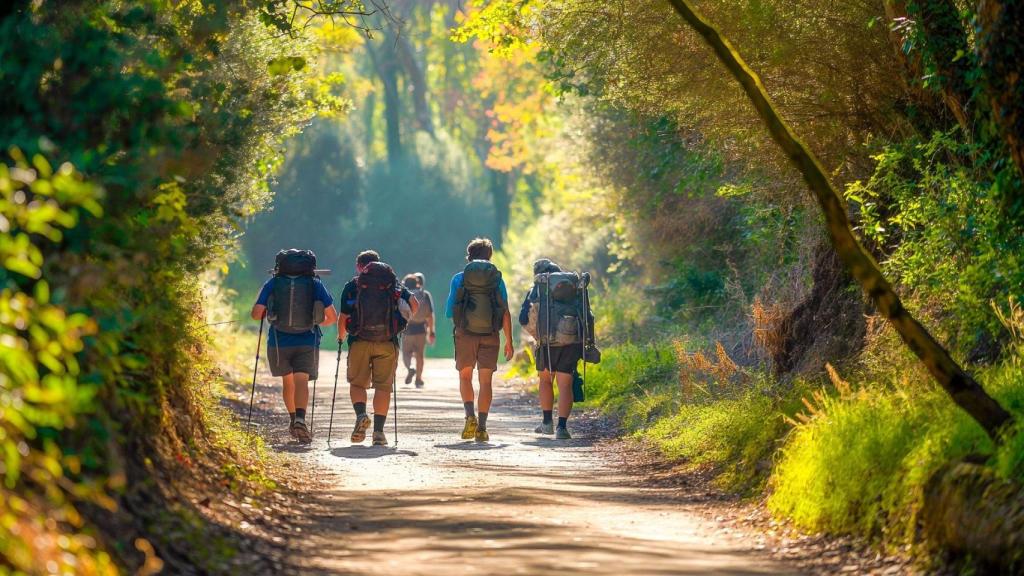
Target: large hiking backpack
292,306
557,315
479,307
376,316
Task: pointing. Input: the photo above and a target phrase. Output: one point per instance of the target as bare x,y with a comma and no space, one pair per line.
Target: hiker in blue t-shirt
293,353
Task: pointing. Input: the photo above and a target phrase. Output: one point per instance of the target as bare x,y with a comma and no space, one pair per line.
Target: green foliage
859,464
164,121
942,227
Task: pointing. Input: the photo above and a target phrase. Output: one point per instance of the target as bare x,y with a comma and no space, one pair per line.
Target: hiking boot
301,432
291,430
562,434
545,428
359,432
469,430
379,439
419,383
409,375
482,436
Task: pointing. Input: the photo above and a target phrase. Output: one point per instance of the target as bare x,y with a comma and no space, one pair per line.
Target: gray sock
469,408
483,421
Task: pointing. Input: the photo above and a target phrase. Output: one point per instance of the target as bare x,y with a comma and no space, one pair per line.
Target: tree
960,386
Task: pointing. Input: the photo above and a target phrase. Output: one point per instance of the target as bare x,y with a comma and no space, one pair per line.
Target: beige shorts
372,363
476,351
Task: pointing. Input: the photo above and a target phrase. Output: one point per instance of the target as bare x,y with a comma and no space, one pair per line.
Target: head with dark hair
479,249
544,266
365,257
411,282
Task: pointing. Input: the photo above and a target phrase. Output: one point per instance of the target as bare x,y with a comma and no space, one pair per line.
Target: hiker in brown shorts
478,305
369,316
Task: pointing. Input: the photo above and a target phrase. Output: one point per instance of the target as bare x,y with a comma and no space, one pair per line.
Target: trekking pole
334,395
312,406
255,368
394,392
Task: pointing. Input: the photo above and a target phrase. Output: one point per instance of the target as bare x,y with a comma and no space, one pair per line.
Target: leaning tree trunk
961,387
1001,50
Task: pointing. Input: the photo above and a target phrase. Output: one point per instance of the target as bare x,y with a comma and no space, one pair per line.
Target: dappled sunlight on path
520,504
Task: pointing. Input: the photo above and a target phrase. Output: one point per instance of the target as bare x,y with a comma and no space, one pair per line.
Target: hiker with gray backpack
478,305
296,303
420,331
370,317
556,312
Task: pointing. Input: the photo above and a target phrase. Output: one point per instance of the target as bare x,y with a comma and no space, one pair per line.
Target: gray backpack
556,317
479,307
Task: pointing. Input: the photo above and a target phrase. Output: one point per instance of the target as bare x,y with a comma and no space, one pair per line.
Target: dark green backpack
479,307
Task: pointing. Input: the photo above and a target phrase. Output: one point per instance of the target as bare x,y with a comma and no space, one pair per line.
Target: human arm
342,326
259,309
449,305
506,327
524,310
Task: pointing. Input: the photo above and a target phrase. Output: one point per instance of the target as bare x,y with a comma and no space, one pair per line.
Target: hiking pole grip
255,368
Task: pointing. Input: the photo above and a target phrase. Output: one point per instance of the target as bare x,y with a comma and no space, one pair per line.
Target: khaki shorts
291,359
413,345
372,363
476,351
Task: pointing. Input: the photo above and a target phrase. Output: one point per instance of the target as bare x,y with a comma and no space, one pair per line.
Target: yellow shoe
469,430
482,436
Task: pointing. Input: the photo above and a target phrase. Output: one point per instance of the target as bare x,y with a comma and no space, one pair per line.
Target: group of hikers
379,317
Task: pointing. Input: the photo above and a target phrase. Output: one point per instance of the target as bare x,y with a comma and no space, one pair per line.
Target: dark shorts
476,351
285,360
563,358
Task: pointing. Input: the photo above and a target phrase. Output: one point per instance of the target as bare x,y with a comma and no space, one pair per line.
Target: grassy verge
833,456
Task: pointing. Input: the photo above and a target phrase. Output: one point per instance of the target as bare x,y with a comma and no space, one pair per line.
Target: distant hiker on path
296,303
369,315
478,304
420,330
551,314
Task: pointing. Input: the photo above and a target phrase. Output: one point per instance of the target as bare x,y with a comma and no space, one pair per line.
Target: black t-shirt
347,306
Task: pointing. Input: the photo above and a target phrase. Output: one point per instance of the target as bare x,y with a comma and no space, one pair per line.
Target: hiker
478,305
296,303
550,313
369,315
420,330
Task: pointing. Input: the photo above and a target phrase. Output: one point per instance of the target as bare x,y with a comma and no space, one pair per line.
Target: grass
849,459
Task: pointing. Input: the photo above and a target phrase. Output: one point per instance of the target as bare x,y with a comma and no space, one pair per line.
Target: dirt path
521,504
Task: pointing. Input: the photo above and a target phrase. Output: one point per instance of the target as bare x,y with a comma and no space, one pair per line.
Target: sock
547,416
291,416
378,422
360,408
469,408
300,414
562,420
483,421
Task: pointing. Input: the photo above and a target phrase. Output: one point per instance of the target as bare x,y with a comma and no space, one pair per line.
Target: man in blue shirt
293,357
478,318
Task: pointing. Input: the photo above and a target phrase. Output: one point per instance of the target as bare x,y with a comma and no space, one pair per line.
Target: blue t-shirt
449,306
287,340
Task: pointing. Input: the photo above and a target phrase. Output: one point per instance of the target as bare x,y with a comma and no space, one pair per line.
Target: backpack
557,314
376,317
292,306
479,307
420,317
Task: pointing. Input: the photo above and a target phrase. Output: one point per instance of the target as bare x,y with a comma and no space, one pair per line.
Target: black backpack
376,317
479,307
292,306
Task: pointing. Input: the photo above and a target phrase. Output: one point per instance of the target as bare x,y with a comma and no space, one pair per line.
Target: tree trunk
500,184
386,65
961,387
945,41
419,84
1001,52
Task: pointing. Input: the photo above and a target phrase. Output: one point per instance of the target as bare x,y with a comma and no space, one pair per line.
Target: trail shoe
545,428
291,430
482,436
562,434
409,375
379,439
419,383
469,430
359,432
301,432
